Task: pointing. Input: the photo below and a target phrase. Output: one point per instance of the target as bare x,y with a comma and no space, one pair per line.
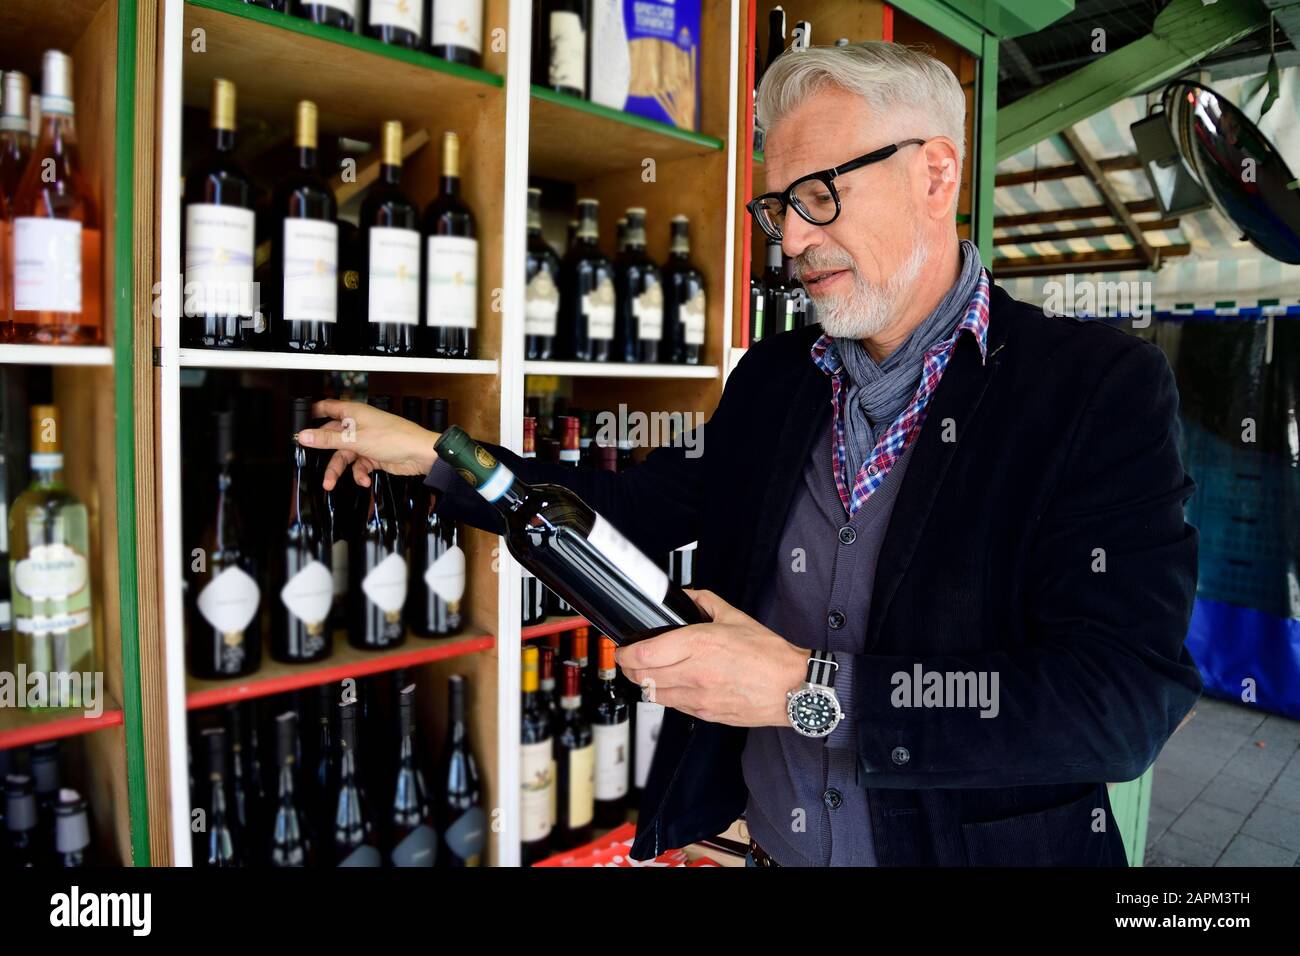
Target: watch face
811,712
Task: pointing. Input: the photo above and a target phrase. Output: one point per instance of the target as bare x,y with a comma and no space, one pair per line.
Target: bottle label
346,6
394,275
47,264
611,743
458,23
693,310
339,567
648,307
445,577
309,594
536,783
466,836
418,848
385,585
406,14
219,243
452,281
582,786
598,307
50,572
541,304
229,601
649,718
364,855
789,315
568,66
649,578
311,260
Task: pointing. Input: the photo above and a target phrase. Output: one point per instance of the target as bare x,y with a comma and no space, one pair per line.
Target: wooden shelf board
234,358
20,727
276,678
573,139
56,355
553,625
620,370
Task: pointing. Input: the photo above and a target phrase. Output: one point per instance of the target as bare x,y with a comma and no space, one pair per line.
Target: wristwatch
814,710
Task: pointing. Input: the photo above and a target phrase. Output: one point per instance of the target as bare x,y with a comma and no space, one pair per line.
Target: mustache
804,264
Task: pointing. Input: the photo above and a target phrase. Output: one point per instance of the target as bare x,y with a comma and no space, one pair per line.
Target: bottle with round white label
436,595
377,569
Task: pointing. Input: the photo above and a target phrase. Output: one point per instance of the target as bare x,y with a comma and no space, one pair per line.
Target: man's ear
943,170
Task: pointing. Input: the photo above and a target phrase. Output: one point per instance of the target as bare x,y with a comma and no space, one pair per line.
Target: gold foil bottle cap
304,130
46,439
450,154
392,143
529,677
56,83
14,99
223,105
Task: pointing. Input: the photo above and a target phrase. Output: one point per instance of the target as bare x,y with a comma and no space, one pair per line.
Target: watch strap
821,668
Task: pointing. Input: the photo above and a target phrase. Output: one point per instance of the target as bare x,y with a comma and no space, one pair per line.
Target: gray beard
867,310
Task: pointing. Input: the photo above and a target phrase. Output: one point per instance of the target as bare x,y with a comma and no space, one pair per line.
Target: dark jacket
1045,542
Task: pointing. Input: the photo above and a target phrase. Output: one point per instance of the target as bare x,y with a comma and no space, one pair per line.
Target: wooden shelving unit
22,728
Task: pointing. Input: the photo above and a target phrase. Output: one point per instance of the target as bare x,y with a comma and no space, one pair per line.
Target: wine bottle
399,22
535,765
71,830
460,819
219,240
456,31
390,226
405,486
354,841
224,598
434,602
412,840
57,286
586,293
352,334
569,454
576,760
324,783
775,35
277,6
21,821
610,729
290,843
15,131
300,629
534,594
337,505
580,651
335,13
542,292
778,302
376,565
550,707
451,268
49,533
221,847
684,299
44,767
757,312
246,804
639,310
306,249
560,61
576,552
647,717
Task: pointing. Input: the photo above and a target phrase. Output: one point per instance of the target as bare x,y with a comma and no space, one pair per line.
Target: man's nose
798,234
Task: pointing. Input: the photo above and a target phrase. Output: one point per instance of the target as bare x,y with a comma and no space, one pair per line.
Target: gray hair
895,81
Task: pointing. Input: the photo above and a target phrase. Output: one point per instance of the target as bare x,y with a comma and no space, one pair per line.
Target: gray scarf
877,394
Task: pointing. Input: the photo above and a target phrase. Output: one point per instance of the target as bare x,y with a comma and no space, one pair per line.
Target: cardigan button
848,535
835,620
900,756
833,799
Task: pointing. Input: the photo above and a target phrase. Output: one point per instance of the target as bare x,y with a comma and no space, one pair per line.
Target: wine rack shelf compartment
214,358
552,625
56,355
21,727
620,370
346,661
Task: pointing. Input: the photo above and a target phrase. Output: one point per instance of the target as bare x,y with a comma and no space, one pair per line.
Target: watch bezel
816,690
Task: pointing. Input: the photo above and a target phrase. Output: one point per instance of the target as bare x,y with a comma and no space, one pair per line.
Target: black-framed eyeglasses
814,196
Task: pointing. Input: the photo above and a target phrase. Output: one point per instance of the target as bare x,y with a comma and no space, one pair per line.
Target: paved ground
1226,791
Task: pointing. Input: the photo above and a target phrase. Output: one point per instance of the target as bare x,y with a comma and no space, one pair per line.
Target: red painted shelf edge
312,676
56,729
558,626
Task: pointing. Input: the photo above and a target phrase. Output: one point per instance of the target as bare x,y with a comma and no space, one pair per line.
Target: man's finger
361,469
659,651
327,438
662,678
718,610
338,464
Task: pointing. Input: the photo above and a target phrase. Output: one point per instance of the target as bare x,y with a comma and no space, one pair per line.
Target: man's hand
730,671
367,438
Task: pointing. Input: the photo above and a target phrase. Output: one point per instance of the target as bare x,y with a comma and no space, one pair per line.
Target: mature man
958,516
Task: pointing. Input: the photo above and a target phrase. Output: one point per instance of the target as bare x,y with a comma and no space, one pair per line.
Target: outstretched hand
365,439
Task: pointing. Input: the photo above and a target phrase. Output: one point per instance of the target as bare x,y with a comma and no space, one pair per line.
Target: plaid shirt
891,445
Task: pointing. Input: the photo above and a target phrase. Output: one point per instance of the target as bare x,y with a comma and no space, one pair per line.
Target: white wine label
598,307
394,275
406,14
541,304
311,261
466,836
418,848
50,572
649,578
47,264
385,585
536,784
339,567
649,718
648,307
582,786
309,593
364,855
445,577
51,623
568,66
452,271
346,6
458,23
611,744
693,310
219,243
229,601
